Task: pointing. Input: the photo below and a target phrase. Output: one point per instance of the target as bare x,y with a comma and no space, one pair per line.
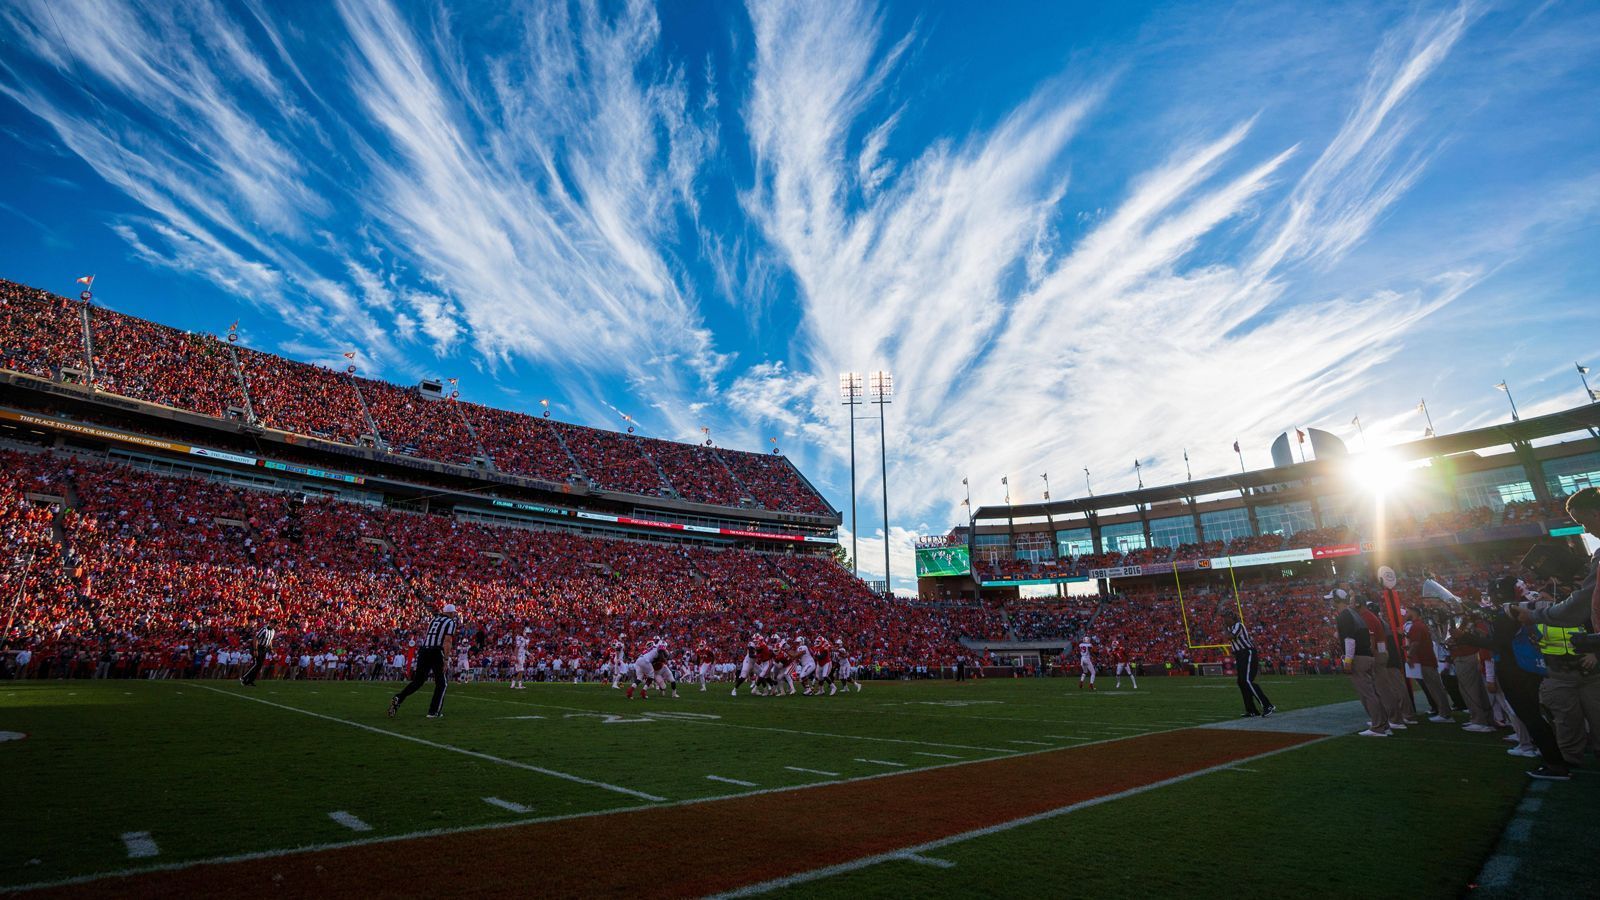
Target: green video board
938,562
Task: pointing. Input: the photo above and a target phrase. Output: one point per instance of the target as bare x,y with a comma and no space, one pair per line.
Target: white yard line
140,845
722,724
927,860
922,849
565,776
349,821
935,755
1033,743
884,762
731,781
812,771
507,805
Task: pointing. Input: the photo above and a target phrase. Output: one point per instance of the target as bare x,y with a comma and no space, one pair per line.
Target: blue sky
1077,234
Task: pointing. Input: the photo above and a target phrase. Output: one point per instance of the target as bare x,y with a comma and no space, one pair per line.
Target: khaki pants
1434,685
1391,685
1573,700
1362,676
1469,677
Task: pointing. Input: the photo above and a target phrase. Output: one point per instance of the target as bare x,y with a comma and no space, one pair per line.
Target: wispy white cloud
1013,357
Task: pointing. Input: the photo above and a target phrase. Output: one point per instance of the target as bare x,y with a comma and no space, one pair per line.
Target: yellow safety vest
1555,640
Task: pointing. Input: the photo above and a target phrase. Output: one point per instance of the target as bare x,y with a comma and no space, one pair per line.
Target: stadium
512,538
166,498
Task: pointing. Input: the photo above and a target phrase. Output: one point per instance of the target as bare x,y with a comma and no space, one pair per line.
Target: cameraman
1583,606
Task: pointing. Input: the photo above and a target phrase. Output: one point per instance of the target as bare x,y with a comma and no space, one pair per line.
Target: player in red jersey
702,663
1119,656
765,663
782,665
823,652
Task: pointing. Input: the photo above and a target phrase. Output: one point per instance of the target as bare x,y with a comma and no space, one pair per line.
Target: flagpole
1087,486
1506,388
1423,405
1242,469
1187,472
1138,474
1588,392
1361,431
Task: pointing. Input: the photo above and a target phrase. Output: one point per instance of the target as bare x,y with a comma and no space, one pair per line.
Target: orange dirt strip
730,843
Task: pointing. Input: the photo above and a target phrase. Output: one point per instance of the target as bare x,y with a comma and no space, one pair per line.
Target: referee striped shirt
438,629
1241,637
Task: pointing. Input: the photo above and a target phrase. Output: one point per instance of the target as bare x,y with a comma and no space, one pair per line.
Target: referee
436,647
260,646
1245,666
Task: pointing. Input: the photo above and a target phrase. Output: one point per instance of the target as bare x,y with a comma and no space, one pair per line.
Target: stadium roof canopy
1527,430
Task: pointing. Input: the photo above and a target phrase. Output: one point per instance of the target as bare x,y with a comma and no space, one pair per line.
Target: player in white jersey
805,665
1086,662
644,670
846,665
619,663
747,666
520,647
666,674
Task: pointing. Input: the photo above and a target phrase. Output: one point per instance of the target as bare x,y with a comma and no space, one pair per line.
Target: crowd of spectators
773,482
39,331
302,399
696,472
1041,622
615,462
415,425
520,444
166,571
1331,536
163,365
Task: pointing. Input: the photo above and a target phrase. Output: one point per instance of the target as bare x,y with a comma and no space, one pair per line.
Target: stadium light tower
850,394
882,394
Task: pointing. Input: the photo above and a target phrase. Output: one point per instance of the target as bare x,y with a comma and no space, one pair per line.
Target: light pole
882,394
1086,485
1138,474
1503,388
850,394
1046,477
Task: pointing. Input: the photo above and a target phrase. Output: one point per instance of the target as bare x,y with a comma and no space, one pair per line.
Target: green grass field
210,769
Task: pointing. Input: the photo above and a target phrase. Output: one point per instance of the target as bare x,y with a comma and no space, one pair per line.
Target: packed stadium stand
46,336
164,565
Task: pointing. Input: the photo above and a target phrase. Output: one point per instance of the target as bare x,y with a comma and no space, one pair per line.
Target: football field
903,789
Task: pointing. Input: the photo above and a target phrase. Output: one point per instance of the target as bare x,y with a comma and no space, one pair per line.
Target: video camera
1551,559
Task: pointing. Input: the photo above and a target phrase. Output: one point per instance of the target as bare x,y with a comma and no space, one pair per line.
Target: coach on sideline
435,649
